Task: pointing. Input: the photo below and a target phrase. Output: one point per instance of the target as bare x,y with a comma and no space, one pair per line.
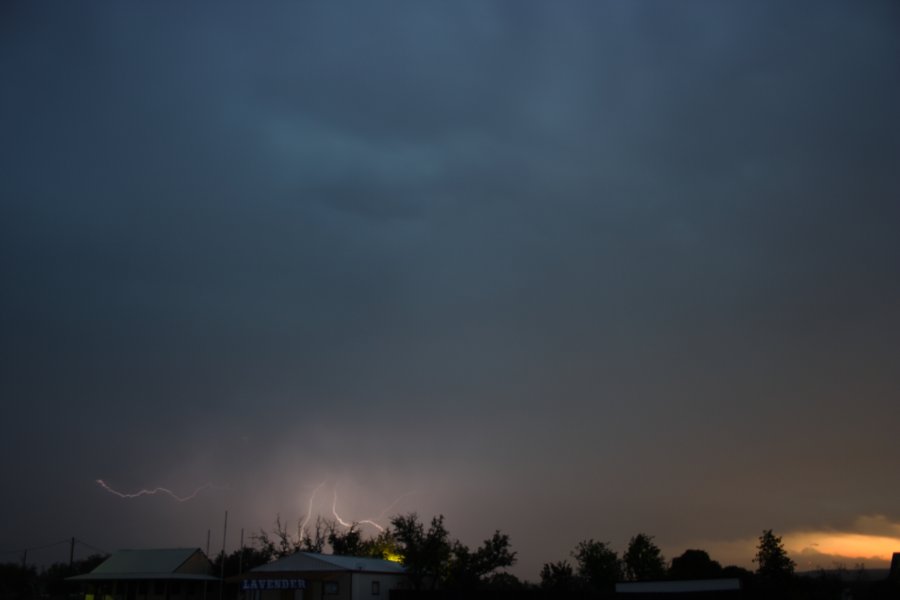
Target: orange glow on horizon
850,545
871,540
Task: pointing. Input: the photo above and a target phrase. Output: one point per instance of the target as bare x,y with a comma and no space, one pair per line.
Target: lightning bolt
309,510
334,511
382,514
160,490
371,522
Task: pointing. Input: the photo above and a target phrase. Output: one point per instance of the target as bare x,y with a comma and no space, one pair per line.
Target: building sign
273,584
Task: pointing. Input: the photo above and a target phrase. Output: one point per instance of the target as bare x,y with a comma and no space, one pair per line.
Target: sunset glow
850,545
871,540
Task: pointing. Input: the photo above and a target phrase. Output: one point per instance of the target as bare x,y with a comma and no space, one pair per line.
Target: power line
95,548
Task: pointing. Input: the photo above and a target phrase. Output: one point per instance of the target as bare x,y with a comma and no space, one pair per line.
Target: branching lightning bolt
160,490
334,511
371,522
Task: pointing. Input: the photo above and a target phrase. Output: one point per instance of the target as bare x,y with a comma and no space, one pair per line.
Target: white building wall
363,590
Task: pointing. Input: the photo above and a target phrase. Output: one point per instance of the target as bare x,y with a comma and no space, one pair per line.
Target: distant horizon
807,563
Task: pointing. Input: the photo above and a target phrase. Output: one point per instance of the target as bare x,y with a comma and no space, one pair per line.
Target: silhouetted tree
17,582
504,581
432,559
281,545
53,578
558,577
383,546
694,564
468,570
314,541
347,543
643,559
773,562
425,553
598,565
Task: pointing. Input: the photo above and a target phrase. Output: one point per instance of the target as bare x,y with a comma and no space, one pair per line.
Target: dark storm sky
569,270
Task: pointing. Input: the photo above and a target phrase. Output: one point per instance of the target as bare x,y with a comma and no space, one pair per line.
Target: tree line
432,558
20,581
437,563
598,567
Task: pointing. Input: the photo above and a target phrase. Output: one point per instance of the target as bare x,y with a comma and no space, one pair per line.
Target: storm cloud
570,271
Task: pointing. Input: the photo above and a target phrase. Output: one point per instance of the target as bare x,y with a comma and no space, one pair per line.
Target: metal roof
167,563
143,577
312,562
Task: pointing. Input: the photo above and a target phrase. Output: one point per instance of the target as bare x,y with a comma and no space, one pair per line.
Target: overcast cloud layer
570,270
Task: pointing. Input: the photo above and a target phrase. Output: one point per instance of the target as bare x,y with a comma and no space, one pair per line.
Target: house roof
310,562
168,563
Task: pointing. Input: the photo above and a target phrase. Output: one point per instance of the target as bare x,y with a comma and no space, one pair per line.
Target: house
312,576
165,574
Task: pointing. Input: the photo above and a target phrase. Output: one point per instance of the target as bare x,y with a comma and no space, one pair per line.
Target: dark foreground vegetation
440,567
18,581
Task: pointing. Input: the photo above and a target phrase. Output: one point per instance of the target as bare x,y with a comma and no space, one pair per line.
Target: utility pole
241,560
241,555
24,559
207,542
72,552
224,534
